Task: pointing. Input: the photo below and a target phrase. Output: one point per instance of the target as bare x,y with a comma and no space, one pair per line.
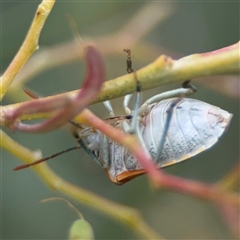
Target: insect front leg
133,127
126,101
107,104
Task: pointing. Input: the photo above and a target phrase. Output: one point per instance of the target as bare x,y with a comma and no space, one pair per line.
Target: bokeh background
195,26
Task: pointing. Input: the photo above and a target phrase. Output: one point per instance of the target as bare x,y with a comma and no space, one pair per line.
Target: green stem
128,216
162,71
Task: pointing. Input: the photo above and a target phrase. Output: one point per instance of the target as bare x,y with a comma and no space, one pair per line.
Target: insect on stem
169,127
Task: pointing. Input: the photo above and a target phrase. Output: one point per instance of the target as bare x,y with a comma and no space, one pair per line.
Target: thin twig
29,45
162,71
148,16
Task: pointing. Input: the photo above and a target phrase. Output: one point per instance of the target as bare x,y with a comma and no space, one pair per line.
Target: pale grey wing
194,127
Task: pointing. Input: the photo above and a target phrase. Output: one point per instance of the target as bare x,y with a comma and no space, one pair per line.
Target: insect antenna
45,159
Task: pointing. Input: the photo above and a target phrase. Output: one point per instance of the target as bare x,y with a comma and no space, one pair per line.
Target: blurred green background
194,27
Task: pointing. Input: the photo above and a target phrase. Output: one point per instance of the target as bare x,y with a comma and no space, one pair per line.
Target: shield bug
171,127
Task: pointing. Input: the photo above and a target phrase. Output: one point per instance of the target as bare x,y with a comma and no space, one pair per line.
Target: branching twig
29,45
128,34
163,71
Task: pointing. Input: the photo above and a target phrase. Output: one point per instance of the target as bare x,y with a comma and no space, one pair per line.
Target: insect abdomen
194,127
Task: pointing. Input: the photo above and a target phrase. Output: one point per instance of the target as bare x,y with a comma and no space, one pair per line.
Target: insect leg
107,104
187,84
188,89
133,128
134,123
129,69
126,101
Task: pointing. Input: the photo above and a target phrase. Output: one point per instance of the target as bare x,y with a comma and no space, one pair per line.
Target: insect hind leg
187,89
132,128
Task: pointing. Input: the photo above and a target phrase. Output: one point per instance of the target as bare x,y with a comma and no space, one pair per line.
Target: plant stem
29,45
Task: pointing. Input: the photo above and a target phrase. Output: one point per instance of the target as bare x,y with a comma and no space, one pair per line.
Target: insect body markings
194,127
